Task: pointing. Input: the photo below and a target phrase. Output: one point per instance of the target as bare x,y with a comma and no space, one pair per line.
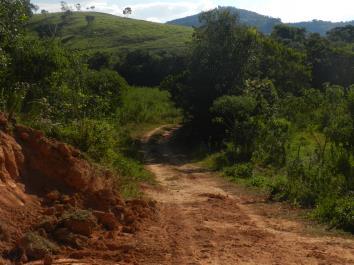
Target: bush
96,138
258,181
278,188
237,171
338,212
36,246
146,105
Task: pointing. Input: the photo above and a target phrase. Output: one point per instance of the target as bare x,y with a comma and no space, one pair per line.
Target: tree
343,34
64,6
13,15
92,7
290,36
35,8
329,63
127,11
286,67
44,12
78,7
235,113
89,20
222,52
98,61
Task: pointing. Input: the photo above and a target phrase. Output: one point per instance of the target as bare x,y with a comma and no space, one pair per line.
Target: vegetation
277,110
143,52
92,32
47,86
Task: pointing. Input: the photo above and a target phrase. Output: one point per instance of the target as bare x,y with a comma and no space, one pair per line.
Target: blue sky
164,10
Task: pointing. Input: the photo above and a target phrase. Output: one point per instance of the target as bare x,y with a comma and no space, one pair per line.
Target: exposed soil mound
55,203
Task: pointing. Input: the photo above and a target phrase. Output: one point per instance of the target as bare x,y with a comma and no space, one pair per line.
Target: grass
115,35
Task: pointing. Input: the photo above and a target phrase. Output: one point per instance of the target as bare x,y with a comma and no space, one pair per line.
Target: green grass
114,34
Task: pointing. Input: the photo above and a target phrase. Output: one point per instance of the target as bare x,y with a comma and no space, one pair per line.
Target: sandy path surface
204,220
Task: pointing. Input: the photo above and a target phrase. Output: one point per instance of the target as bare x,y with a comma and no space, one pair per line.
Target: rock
129,217
53,196
79,222
4,233
65,236
64,149
112,246
11,158
24,136
108,220
65,199
102,200
81,227
59,209
48,260
49,211
128,230
48,224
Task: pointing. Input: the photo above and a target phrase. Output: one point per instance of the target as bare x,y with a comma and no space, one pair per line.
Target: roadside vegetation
51,88
276,112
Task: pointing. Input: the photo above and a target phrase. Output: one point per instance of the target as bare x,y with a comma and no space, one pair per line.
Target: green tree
236,115
221,55
290,36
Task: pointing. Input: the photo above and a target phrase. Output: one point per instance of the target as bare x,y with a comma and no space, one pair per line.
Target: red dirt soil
55,205
203,219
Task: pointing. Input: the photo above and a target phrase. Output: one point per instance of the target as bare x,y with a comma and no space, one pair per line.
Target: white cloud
157,11
302,10
164,10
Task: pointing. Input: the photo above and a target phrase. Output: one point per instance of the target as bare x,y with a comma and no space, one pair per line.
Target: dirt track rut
203,220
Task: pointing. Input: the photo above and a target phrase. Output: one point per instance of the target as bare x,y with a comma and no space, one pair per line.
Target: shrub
94,137
278,188
237,171
146,105
338,212
36,246
258,181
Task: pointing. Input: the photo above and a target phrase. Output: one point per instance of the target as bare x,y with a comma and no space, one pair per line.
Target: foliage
38,244
239,171
142,68
338,212
342,34
290,36
253,94
146,105
247,96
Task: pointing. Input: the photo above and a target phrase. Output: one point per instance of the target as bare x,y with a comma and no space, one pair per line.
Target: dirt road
204,220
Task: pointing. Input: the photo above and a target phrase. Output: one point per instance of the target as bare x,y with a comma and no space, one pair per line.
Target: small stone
48,260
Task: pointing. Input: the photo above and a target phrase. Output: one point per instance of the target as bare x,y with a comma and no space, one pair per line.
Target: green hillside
109,33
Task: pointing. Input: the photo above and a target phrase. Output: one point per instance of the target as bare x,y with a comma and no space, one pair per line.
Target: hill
320,26
265,23
109,33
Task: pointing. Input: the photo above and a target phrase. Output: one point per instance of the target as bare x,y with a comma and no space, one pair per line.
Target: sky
165,10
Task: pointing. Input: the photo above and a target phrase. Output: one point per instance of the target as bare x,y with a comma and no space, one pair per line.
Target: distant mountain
320,26
265,24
